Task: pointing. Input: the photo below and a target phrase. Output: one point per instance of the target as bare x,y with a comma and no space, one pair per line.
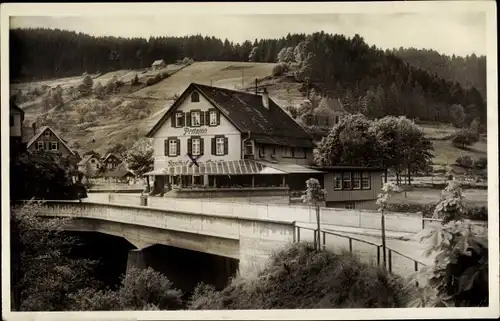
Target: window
213,118
110,166
172,147
287,152
248,148
337,119
92,161
195,147
195,118
337,184
195,97
39,146
47,133
346,180
54,145
11,121
350,206
179,119
299,153
365,180
262,151
356,180
219,146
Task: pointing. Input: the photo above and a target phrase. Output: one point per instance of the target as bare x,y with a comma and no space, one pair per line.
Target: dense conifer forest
418,83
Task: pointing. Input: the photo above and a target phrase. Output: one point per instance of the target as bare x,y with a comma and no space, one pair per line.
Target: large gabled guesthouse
243,144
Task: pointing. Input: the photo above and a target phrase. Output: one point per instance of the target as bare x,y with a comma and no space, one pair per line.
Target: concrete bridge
248,240
248,233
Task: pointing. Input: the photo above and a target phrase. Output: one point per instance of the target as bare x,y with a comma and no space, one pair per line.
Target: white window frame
92,161
356,179
178,119
193,114
366,175
344,180
40,146
337,179
172,147
213,118
219,143
195,142
52,144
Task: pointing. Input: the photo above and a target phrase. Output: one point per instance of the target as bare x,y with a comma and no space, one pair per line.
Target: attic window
47,133
195,97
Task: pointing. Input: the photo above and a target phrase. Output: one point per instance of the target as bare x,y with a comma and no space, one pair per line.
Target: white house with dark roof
237,138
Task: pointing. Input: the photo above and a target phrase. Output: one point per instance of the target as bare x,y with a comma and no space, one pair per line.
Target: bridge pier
136,259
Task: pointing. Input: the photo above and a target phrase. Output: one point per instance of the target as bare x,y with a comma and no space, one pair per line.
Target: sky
459,33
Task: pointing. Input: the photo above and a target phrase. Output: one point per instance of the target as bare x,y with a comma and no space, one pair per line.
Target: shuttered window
196,146
219,145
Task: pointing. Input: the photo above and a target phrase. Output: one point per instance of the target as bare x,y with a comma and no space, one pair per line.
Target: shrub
464,138
279,69
298,277
465,161
140,290
481,163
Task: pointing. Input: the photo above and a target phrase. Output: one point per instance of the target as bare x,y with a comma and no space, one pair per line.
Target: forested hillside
366,79
469,71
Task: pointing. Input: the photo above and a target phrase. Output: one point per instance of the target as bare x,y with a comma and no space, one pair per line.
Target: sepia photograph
250,160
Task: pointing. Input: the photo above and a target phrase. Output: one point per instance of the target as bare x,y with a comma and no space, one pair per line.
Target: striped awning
236,167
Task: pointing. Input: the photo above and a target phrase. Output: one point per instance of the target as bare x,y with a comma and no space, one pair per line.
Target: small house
90,165
111,161
46,139
121,174
329,112
351,187
158,64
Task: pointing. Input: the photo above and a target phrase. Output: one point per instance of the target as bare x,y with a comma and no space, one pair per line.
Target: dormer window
195,118
195,97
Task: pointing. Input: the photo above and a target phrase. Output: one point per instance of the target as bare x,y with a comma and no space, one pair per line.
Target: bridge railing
325,235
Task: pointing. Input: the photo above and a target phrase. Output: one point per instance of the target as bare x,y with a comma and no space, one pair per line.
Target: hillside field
111,120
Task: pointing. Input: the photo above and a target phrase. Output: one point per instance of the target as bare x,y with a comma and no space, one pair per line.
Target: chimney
34,128
265,98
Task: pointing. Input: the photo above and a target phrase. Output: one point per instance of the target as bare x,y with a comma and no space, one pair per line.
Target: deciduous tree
140,158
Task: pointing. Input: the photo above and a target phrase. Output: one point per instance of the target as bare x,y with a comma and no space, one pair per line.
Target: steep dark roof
246,112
